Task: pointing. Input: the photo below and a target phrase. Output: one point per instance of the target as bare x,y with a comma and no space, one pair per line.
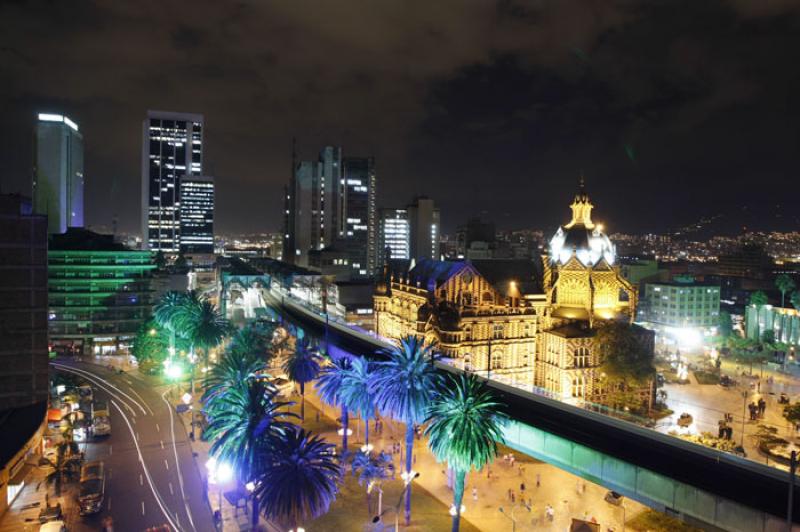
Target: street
151,477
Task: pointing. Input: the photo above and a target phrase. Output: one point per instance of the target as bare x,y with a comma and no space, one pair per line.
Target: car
53,526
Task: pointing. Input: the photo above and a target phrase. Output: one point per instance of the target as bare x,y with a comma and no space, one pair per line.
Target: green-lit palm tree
168,312
464,426
253,340
329,387
299,479
404,386
233,369
244,423
357,392
795,299
302,366
785,284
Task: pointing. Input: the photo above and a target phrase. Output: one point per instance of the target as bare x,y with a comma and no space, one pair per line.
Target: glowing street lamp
366,449
453,509
186,398
341,432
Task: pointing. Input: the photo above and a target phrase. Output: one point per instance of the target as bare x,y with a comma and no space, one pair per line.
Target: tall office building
393,234
331,201
355,214
409,233
58,172
425,229
172,147
197,214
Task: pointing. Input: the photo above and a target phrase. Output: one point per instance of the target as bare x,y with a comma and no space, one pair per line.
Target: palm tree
253,340
785,284
233,369
244,423
205,326
302,366
357,393
372,471
66,466
464,427
404,388
329,387
795,299
299,478
168,311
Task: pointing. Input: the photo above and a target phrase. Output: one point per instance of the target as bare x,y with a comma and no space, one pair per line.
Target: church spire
581,207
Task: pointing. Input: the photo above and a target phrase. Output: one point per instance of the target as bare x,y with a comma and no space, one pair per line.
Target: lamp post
219,473
408,477
510,515
744,409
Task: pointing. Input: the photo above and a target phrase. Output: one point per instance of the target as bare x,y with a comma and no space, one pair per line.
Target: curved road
151,477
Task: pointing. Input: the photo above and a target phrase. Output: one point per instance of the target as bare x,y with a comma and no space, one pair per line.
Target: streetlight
453,510
511,514
366,449
219,473
408,477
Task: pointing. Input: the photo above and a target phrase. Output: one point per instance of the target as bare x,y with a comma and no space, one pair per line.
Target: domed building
512,318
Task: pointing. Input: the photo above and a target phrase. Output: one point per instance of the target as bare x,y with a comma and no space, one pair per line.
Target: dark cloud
670,108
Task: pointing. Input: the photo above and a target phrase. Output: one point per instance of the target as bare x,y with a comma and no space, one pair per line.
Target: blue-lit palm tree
299,478
302,366
464,426
404,386
329,387
357,393
244,424
372,470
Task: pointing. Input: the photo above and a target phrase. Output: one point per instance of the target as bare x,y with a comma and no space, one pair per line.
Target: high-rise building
394,234
355,213
331,201
197,214
409,233
58,172
23,343
172,147
425,227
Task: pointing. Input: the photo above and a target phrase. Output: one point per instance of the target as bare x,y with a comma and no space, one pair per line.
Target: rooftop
80,239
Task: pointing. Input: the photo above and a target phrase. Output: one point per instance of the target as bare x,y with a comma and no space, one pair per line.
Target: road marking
92,376
177,461
94,379
141,480
146,471
158,428
142,507
166,464
171,492
142,398
162,443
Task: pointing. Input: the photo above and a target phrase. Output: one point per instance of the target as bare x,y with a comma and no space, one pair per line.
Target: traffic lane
173,466
130,420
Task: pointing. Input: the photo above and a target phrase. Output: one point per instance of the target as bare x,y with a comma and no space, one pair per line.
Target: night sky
673,110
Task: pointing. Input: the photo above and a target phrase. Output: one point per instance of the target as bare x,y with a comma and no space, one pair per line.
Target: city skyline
518,98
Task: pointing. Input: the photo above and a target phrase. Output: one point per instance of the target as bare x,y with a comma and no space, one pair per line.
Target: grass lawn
653,521
706,377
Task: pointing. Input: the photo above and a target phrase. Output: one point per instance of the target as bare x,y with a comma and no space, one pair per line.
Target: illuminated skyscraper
355,214
393,234
197,214
58,172
409,233
172,147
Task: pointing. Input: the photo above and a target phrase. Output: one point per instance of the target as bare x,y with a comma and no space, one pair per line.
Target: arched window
498,329
581,357
497,359
487,297
578,386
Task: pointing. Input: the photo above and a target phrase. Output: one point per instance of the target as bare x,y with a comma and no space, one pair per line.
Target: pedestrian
509,493
522,487
474,494
729,433
511,459
538,480
762,406
549,512
583,487
513,497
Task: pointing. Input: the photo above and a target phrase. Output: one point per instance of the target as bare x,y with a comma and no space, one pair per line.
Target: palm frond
464,424
329,382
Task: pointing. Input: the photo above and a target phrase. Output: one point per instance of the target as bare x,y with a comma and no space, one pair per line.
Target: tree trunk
458,495
366,431
344,427
255,511
409,463
302,401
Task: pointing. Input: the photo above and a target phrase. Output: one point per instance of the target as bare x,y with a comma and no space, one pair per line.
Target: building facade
783,322
680,304
330,202
172,147
197,214
58,172
508,316
23,342
425,228
99,292
394,234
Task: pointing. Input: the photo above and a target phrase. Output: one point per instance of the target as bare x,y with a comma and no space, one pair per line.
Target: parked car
612,497
53,526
